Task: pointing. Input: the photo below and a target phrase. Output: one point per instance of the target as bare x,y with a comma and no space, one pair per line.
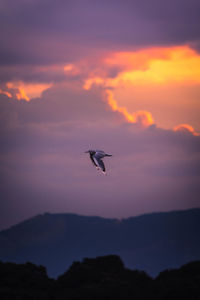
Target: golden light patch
156,66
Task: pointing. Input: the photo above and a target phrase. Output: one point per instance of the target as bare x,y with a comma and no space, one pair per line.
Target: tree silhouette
103,277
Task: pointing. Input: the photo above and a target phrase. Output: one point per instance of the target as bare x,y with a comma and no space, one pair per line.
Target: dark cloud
33,74
46,32
66,102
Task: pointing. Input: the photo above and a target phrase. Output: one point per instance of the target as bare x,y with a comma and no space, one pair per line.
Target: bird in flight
96,158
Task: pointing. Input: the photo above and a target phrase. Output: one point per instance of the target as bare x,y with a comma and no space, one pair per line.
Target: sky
121,76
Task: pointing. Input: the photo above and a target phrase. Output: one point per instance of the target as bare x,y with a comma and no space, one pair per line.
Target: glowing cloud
71,69
24,91
186,128
153,74
5,93
95,80
142,118
157,66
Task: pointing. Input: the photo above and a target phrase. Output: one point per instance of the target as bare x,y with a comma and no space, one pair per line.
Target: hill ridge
150,242
100,217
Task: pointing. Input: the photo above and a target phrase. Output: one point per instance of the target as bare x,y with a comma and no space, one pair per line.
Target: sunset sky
121,76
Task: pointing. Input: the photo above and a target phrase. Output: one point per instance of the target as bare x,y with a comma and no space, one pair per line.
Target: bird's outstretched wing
92,159
100,164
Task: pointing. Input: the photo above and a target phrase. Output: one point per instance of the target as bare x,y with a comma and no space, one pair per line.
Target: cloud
5,93
145,67
33,74
152,72
66,102
25,91
149,66
136,52
66,31
159,66
148,82
142,118
186,129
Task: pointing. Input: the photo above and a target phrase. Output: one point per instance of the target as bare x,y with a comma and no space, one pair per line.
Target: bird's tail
108,155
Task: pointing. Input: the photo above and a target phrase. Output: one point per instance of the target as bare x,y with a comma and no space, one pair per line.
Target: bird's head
90,151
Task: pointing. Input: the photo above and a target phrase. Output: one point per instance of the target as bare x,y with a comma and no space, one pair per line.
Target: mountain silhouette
151,242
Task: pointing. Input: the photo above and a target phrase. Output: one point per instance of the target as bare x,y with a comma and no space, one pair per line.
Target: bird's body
96,158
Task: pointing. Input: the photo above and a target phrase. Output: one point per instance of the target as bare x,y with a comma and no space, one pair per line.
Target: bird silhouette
96,158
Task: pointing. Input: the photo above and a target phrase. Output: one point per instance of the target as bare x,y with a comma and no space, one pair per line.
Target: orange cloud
5,93
186,128
71,69
151,80
151,66
143,118
93,80
25,91
156,66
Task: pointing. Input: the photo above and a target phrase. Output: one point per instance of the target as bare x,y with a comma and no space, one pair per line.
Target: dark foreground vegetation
100,278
